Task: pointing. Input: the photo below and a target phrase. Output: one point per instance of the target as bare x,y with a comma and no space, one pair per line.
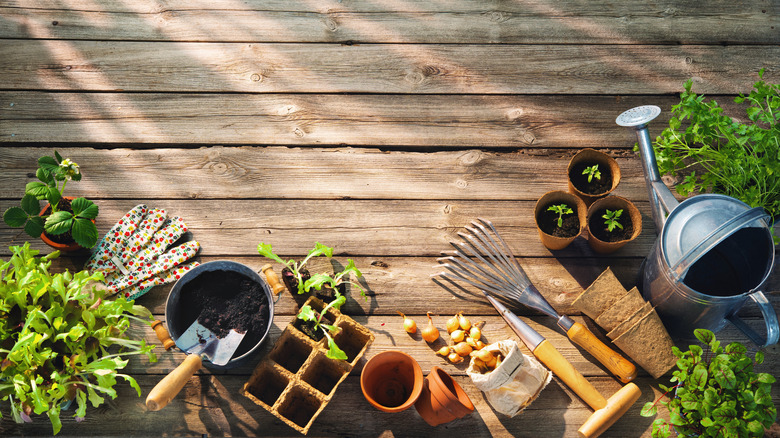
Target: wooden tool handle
163,335
615,363
273,280
562,368
617,405
171,384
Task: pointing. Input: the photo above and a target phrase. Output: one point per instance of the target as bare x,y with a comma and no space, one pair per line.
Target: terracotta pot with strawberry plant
612,222
592,175
560,218
65,223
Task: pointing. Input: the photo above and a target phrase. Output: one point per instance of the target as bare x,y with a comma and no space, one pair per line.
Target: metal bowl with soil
222,295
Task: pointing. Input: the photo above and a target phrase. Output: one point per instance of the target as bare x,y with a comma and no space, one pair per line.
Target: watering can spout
662,201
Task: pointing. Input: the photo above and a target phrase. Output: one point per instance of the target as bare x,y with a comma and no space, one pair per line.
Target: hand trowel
199,343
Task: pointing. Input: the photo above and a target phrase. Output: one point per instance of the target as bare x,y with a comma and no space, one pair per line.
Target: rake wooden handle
163,335
273,280
171,384
565,371
615,363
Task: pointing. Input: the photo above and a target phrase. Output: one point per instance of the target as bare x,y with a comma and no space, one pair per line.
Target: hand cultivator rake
485,261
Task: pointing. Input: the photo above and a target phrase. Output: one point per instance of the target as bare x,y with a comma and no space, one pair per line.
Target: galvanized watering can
713,253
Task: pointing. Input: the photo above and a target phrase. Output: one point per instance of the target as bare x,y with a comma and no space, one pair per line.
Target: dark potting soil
599,230
66,237
548,222
596,186
228,300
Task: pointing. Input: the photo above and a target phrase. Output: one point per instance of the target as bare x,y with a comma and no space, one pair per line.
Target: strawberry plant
716,393
64,216
60,340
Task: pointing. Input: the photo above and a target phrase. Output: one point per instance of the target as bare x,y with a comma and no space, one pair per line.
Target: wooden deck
379,128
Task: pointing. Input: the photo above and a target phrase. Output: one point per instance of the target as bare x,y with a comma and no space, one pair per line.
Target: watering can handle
714,238
770,319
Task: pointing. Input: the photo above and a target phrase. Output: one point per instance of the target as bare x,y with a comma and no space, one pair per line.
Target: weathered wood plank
294,173
460,21
375,227
383,68
312,120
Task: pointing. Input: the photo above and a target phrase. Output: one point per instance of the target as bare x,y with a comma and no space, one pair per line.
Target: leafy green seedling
611,219
60,339
717,393
560,209
310,315
53,174
592,172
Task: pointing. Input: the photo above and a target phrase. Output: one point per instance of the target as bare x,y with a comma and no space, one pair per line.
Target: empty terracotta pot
442,399
391,381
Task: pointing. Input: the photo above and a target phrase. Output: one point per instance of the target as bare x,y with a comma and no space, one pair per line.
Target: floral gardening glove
134,255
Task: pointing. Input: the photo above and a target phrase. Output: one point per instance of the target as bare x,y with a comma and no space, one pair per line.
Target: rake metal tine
454,274
507,288
497,254
459,247
478,249
484,279
506,247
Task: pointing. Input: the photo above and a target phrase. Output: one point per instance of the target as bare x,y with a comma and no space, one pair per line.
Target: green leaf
316,281
85,232
15,217
699,376
59,222
84,208
54,417
334,352
48,164
30,205
649,410
266,250
307,314
34,227
54,196
37,189
766,378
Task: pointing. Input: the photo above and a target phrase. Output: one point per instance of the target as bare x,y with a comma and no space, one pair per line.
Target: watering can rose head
76,216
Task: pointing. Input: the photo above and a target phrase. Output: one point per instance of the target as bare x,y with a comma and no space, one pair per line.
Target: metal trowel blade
199,340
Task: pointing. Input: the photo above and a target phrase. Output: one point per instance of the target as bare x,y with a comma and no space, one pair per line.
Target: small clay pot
554,198
442,399
391,381
604,161
62,247
612,203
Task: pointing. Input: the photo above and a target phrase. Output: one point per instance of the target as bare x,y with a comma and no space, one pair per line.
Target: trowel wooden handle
273,280
562,368
615,363
171,384
163,335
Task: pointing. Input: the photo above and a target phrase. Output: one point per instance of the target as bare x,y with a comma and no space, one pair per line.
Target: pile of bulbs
466,340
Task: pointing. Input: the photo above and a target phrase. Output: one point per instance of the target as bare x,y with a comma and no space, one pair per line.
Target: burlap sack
515,383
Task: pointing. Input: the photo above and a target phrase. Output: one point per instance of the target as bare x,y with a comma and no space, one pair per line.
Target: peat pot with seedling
592,175
560,218
613,221
65,223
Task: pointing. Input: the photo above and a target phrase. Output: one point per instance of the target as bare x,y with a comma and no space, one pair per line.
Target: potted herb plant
711,151
612,221
65,223
60,339
592,175
716,393
560,218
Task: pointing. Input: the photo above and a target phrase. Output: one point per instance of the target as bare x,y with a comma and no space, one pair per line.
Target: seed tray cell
299,366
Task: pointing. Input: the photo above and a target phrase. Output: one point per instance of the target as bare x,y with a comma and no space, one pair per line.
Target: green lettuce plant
715,152
60,339
53,175
716,393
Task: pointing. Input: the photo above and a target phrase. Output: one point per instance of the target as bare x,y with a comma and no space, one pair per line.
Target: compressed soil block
620,310
601,294
296,380
648,343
